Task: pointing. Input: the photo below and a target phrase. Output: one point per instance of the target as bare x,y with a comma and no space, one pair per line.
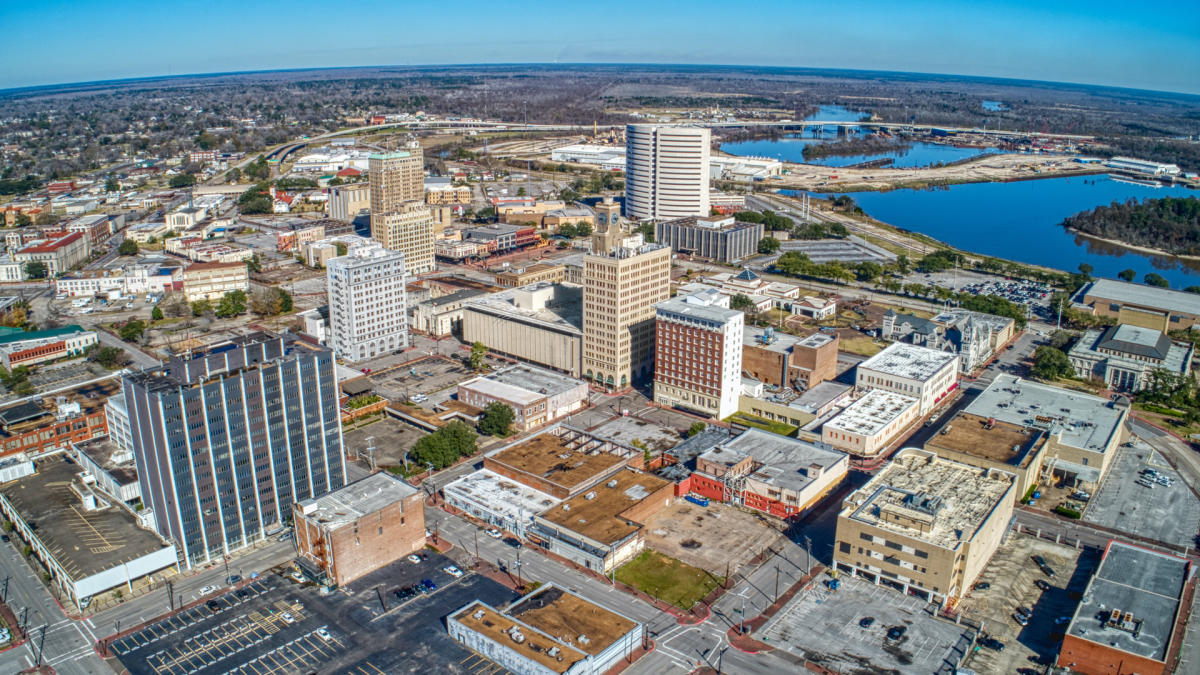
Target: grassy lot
780,428
864,346
1174,422
668,579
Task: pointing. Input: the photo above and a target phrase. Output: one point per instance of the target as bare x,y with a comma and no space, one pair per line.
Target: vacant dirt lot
710,537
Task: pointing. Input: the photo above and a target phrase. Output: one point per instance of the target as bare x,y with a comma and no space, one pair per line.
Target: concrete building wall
667,171
619,294
523,340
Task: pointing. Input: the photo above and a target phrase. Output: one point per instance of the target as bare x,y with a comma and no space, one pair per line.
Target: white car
414,558
287,616
494,533
208,589
453,571
324,634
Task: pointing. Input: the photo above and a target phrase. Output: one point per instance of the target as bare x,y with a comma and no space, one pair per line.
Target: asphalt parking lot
1013,579
427,376
719,538
823,626
275,625
1166,514
390,437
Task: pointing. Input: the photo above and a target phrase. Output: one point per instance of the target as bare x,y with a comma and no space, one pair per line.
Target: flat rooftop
83,542
1075,419
32,414
908,361
786,462
355,500
599,518
557,460
567,616
819,396
564,312
1004,442
925,497
679,307
768,338
1140,295
993,322
524,382
501,495
852,249
1145,584
816,340
486,621
872,413
102,450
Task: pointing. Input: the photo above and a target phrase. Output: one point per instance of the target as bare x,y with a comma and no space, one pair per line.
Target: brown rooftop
567,616
969,434
602,518
496,626
550,458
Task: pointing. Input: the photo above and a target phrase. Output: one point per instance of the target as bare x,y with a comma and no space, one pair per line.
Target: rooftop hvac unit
590,496
612,483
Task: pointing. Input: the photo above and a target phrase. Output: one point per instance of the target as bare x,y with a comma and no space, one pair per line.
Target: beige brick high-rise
620,288
409,229
399,218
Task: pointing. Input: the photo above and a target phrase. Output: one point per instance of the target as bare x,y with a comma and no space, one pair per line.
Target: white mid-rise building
368,306
928,375
666,171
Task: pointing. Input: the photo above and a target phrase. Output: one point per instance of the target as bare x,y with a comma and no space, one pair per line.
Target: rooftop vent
478,614
612,483
583,640
566,507
590,496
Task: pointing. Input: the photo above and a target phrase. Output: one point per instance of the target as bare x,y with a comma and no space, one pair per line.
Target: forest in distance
1170,224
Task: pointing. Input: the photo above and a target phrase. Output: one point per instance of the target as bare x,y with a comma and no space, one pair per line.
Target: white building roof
1079,420
872,413
501,496
357,499
908,361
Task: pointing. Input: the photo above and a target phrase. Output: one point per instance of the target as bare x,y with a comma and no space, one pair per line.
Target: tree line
1171,224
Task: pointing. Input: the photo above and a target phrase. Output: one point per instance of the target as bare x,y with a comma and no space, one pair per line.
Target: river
1020,221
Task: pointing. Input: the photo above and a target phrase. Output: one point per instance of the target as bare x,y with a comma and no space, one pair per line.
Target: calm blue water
836,113
1019,221
994,106
791,149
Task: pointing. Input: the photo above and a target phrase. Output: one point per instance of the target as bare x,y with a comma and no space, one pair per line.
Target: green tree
36,269
768,245
109,357
132,330
583,230
182,180
233,304
1155,279
112,185
254,264
742,302
697,427
127,247
1192,289
520,192
341,248
476,359
903,265
868,271
568,230
1086,269
285,302
1127,275
647,232
497,419
445,446
201,307
1049,363
156,314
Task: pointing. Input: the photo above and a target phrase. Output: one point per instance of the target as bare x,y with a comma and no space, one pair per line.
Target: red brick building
359,528
698,354
37,426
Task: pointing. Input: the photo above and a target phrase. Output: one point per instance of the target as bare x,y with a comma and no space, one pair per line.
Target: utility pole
170,595
1060,304
776,583
41,646
808,555
476,543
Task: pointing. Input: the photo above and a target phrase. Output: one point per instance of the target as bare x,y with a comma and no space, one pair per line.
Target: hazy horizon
1099,43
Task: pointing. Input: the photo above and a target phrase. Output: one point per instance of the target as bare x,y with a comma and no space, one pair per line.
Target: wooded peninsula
1170,224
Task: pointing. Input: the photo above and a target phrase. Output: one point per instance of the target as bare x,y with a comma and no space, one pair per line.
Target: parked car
1045,568
1042,584
213,606
896,632
513,542
494,533
982,586
414,558
1021,619
992,643
453,571
233,579
287,617
323,633
866,622
1061,620
428,584
208,589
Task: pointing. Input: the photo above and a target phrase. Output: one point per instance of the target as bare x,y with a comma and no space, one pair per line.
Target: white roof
908,361
872,413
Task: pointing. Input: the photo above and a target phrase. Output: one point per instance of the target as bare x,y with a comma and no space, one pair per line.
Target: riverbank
993,168
1132,247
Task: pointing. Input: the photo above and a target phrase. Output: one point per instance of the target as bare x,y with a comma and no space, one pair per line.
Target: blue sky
1130,44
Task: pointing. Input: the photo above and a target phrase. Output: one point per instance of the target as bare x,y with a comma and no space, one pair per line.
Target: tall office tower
698,354
409,230
399,218
227,439
666,171
620,288
396,177
367,303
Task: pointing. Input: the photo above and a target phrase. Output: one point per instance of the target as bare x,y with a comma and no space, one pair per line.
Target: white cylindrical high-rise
666,171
